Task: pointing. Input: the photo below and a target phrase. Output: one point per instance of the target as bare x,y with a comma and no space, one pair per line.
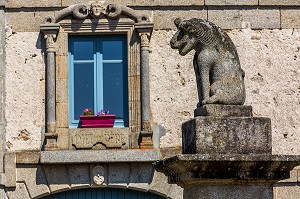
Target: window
98,76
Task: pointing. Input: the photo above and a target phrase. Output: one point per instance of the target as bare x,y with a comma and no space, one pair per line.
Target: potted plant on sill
101,120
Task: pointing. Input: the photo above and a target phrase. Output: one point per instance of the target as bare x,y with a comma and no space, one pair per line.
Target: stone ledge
27,157
215,169
97,156
231,2
279,2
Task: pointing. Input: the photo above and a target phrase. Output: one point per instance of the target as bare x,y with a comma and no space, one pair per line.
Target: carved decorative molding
97,9
50,32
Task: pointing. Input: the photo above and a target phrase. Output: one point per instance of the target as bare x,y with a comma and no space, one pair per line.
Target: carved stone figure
220,79
97,9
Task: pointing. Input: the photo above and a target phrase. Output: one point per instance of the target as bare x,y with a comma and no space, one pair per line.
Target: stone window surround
122,20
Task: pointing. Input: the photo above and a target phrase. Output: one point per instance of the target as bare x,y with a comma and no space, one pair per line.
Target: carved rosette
98,175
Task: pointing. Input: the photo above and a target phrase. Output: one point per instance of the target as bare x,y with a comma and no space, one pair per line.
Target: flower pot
101,121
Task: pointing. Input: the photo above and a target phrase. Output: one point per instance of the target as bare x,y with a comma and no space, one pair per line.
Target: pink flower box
101,121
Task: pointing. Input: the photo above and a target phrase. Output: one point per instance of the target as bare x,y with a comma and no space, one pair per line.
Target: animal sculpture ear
177,21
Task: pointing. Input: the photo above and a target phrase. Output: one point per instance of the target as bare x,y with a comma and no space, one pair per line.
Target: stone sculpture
220,79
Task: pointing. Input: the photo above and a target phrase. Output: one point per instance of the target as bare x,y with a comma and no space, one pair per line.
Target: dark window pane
114,89
112,50
83,50
83,88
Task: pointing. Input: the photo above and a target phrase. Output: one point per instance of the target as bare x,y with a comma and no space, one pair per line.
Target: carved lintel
50,32
98,9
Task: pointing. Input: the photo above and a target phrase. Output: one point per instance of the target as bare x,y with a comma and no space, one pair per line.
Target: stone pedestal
227,154
220,129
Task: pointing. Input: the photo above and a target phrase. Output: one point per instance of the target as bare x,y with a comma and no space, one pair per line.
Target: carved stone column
146,133
50,32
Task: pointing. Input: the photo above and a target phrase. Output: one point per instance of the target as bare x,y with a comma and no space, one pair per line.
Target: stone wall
270,59
266,33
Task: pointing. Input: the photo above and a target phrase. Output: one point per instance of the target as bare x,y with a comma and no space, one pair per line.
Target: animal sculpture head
193,34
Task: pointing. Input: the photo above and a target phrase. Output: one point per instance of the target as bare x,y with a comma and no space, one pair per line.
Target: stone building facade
42,155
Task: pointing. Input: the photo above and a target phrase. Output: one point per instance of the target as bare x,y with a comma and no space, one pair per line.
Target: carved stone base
227,154
227,135
147,142
51,143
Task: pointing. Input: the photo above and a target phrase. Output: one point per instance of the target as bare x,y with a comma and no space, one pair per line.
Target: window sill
99,156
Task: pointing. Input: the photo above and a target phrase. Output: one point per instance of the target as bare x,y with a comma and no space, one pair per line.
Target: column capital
50,33
144,31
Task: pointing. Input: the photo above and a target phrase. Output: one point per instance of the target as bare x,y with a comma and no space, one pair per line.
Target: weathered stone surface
272,81
175,192
79,175
34,178
10,169
27,21
104,138
57,177
88,156
233,192
231,2
62,115
143,3
118,174
280,2
159,184
290,18
164,18
218,110
62,67
24,103
140,176
62,93
28,157
32,3
227,135
253,18
19,192
226,169
286,191
169,152
63,138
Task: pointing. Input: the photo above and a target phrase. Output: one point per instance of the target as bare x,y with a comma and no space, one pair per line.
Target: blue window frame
98,76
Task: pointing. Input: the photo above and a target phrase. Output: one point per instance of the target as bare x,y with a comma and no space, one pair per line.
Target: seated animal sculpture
220,79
